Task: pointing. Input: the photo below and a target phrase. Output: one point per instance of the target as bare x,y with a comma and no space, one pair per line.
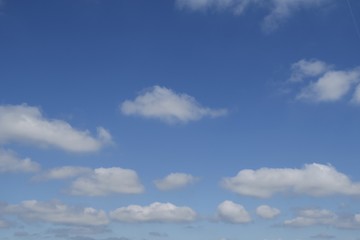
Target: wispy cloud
267,212
174,181
313,179
58,213
24,123
231,212
9,162
166,105
321,82
314,216
278,10
105,181
155,212
64,172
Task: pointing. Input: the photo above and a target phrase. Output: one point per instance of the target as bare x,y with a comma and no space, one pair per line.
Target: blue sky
179,119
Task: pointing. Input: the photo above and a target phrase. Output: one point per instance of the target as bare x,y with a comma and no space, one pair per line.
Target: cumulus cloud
323,83
313,179
58,213
27,124
105,181
9,162
155,212
63,173
332,86
231,212
279,10
166,105
267,212
174,181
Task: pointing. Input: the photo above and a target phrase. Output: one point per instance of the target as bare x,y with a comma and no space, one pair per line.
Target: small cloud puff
267,212
170,107
174,181
231,212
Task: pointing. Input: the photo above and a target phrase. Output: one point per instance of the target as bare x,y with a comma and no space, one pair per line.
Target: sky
179,119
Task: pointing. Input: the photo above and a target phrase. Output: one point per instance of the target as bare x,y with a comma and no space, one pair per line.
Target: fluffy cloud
313,179
58,213
164,104
267,212
155,212
174,181
323,84
231,212
105,181
9,162
332,86
27,124
63,173
279,10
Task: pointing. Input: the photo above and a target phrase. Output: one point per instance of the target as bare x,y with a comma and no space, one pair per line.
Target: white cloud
174,181
27,124
164,104
105,181
57,212
308,68
231,212
279,10
332,86
155,212
323,83
63,173
267,212
9,162
314,179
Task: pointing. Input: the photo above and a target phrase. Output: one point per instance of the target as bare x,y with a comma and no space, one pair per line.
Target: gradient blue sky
179,119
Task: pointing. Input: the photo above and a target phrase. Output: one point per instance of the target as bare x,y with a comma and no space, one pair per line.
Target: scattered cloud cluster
322,83
57,212
155,212
231,212
166,105
9,162
174,181
313,179
267,212
105,181
279,10
313,216
24,123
